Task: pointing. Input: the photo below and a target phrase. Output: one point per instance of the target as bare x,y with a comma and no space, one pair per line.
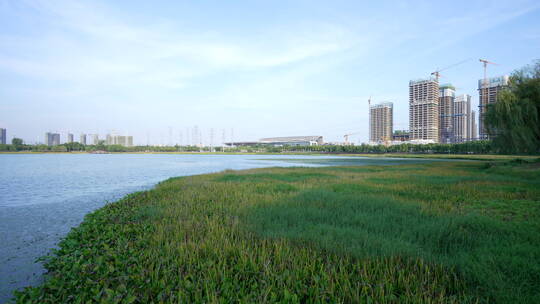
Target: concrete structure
381,117
3,136
447,94
488,93
282,141
95,139
424,110
474,127
69,138
400,135
82,139
462,119
52,139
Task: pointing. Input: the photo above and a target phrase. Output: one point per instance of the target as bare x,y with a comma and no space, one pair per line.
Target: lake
42,196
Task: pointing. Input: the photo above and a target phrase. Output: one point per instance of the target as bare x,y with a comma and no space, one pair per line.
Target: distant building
282,141
52,139
447,95
424,110
95,139
381,117
400,135
293,141
120,140
82,139
488,93
126,141
69,138
462,123
474,127
3,136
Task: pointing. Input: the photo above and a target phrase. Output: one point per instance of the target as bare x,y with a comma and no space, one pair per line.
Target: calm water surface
43,196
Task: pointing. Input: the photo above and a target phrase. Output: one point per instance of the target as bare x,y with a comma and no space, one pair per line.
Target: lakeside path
444,232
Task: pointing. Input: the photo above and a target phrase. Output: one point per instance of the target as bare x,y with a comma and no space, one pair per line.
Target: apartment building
424,110
462,119
447,95
381,117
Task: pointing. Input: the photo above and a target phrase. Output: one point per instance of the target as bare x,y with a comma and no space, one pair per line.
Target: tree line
514,120
473,147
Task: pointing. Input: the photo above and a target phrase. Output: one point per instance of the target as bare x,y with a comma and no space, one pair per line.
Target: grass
444,232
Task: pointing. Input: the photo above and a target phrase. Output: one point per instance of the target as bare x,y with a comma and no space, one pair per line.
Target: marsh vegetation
443,232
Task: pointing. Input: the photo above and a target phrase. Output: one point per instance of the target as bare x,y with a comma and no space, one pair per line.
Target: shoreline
480,157
142,221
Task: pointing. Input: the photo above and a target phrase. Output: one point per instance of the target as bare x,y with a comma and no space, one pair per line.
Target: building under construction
474,127
381,117
463,119
447,94
424,110
488,90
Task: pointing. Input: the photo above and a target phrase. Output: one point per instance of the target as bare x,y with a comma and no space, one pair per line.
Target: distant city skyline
286,68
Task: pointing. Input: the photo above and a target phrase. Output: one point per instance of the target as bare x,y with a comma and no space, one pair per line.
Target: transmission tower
211,139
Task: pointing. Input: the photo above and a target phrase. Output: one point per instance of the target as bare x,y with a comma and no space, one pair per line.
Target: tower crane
485,63
437,73
346,137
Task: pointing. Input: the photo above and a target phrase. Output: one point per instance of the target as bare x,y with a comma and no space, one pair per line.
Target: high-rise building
69,138
424,110
462,119
126,141
474,127
109,140
3,136
82,139
381,118
120,140
52,139
95,139
48,139
488,91
447,95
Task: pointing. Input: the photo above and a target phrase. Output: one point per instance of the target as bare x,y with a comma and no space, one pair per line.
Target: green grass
444,232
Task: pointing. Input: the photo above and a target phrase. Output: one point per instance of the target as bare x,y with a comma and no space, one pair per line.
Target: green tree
17,142
514,120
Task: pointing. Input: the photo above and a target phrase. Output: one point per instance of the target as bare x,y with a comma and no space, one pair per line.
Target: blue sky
262,68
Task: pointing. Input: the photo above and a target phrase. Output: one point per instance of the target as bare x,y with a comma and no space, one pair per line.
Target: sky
244,69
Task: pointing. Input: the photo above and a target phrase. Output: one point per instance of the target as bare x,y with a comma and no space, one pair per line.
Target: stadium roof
291,139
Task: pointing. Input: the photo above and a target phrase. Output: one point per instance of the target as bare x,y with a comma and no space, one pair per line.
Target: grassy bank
446,232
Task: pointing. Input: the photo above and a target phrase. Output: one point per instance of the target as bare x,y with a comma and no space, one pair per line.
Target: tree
514,120
17,142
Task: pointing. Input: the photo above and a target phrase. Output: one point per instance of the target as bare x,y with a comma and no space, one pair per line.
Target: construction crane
346,137
437,73
485,63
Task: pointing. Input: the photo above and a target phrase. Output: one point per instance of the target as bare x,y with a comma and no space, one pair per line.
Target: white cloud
95,47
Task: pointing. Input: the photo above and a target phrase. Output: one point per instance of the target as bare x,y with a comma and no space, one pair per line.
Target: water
42,196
